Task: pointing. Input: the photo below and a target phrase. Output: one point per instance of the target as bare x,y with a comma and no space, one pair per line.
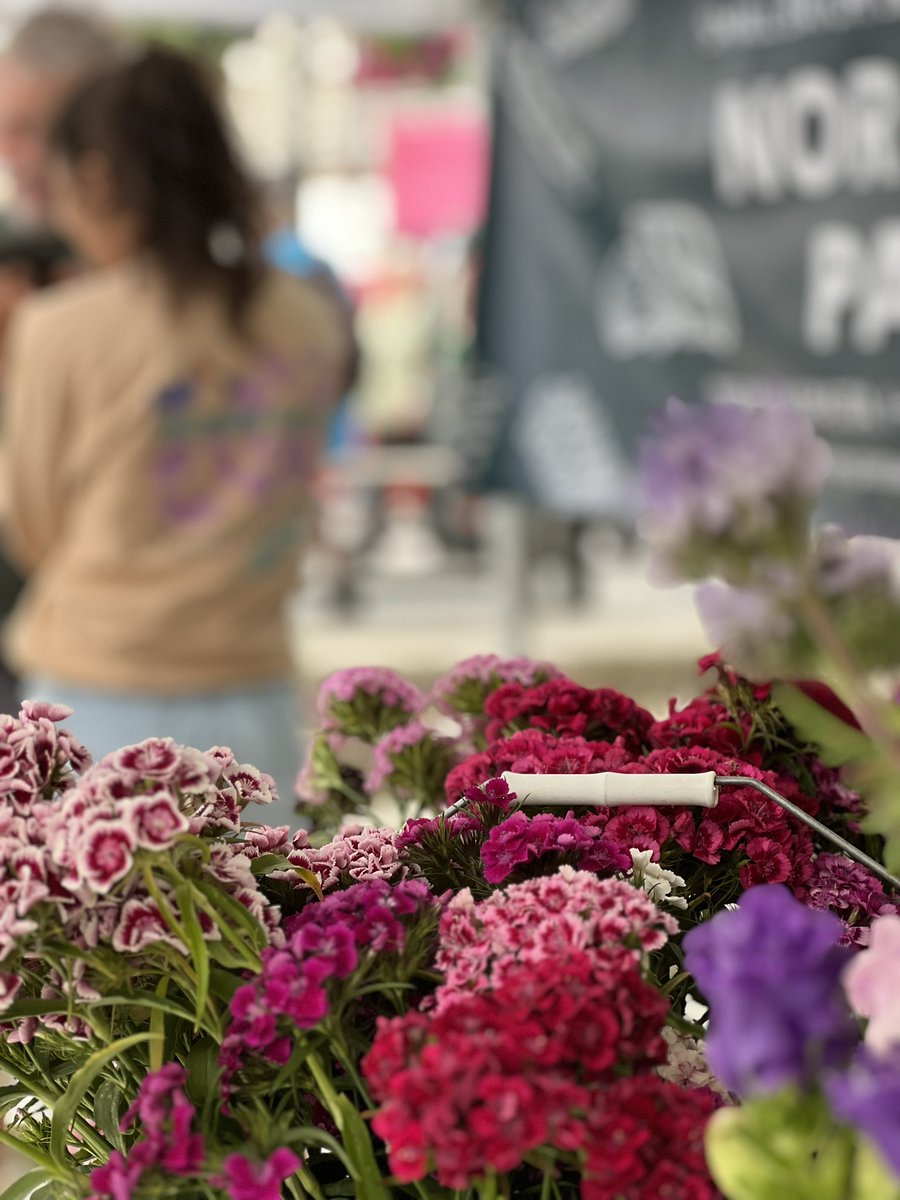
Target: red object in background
822,694
438,171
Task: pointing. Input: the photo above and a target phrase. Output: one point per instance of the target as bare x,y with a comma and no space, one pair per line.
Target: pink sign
438,171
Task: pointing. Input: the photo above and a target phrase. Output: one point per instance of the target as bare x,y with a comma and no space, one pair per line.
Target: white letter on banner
813,131
878,316
745,142
874,147
834,278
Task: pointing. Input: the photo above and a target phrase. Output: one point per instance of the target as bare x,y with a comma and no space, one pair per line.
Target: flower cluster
325,942
169,1141
462,692
726,487
543,1004
358,854
412,761
567,710
521,839
540,919
71,863
367,702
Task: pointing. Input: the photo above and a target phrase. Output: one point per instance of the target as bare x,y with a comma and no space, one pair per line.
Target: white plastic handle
609,789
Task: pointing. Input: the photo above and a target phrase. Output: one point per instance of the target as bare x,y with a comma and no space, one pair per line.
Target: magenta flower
245,1180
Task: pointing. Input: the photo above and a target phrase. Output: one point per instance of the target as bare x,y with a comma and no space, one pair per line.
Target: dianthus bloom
520,840
169,1142
461,693
357,855
647,1142
539,919
411,761
505,1078
367,702
727,487
536,752
325,942
245,1180
771,971
566,709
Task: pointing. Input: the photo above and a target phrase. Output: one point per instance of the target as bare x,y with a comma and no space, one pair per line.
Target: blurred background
549,215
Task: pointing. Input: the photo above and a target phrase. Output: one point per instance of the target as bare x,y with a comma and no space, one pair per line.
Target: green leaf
203,1070
66,1107
196,943
109,1104
25,1187
310,880
223,984
270,862
840,743
355,1136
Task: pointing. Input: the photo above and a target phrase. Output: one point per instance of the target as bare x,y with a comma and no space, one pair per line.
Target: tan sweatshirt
158,469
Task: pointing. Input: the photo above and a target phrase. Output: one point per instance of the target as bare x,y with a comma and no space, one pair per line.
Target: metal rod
843,845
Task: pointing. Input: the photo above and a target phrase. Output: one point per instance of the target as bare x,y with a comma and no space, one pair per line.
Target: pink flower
245,1180
154,758
103,855
872,984
34,710
141,925
9,987
157,820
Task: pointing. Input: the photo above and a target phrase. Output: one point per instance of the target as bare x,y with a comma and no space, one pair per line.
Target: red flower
769,863
646,1141
566,709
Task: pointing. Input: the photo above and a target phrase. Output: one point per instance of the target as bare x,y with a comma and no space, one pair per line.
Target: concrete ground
623,633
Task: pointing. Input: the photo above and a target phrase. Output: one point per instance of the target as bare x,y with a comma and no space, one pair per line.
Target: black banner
699,198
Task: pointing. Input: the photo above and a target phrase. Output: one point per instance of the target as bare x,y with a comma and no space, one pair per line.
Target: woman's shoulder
79,304
301,311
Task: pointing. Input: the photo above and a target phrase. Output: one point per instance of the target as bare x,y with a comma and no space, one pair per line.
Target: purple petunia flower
868,1097
771,970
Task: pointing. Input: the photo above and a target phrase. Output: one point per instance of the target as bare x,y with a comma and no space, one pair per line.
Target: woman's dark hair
157,121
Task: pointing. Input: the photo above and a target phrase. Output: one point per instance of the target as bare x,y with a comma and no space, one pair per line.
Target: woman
164,415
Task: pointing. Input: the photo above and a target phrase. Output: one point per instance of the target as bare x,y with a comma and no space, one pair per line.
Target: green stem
33,1152
849,676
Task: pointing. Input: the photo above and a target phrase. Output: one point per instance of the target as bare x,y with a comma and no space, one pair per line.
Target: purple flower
745,621
725,480
461,693
867,1096
771,970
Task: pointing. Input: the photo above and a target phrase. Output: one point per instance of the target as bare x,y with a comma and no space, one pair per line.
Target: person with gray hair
47,56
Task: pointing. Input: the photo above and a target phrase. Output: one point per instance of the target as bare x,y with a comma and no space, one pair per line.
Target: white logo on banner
664,287
568,449
569,29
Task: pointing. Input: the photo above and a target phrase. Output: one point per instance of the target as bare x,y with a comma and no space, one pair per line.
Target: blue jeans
260,724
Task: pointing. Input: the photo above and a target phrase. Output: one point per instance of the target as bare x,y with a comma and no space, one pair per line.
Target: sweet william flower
246,1180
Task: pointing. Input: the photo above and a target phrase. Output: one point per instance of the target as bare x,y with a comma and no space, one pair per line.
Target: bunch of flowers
543,1007
782,1034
